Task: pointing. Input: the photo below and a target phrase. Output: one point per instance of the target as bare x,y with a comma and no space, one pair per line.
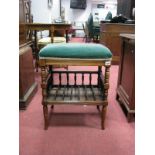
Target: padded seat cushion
47,40
76,50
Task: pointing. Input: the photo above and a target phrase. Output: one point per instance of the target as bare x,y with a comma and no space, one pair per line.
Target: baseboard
23,103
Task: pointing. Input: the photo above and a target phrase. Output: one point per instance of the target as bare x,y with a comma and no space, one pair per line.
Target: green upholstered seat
47,40
76,50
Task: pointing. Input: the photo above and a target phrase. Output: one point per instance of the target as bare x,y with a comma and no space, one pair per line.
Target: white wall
102,12
82,15
76,14
42,13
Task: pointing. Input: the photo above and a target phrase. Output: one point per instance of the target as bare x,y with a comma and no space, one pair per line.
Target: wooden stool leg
44,95
98,107
106,87
103,114
52,106
36,64
45,111
36,51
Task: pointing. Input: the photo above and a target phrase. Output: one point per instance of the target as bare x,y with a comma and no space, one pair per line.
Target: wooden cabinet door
27,84
127,79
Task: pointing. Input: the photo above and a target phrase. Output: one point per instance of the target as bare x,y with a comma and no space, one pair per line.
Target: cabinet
110,37
27,84
24,17
27,11
126,77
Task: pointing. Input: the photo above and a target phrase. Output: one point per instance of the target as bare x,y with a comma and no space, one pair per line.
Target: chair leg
52,106
37,60
98,107
86,39
103,114
45,111
36,65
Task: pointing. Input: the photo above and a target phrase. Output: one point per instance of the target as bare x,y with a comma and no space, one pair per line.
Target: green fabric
90,25
76,50
108,16
93,27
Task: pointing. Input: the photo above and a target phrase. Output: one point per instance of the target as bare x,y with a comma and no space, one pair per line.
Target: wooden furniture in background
126,77
110,37
27,84
22,32
24,17
52,27
49,26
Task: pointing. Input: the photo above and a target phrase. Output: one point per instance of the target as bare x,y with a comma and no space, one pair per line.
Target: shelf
75,94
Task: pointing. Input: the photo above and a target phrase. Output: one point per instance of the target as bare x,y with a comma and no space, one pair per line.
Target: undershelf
75,94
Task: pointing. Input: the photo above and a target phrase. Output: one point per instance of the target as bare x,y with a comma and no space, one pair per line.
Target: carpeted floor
75,130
